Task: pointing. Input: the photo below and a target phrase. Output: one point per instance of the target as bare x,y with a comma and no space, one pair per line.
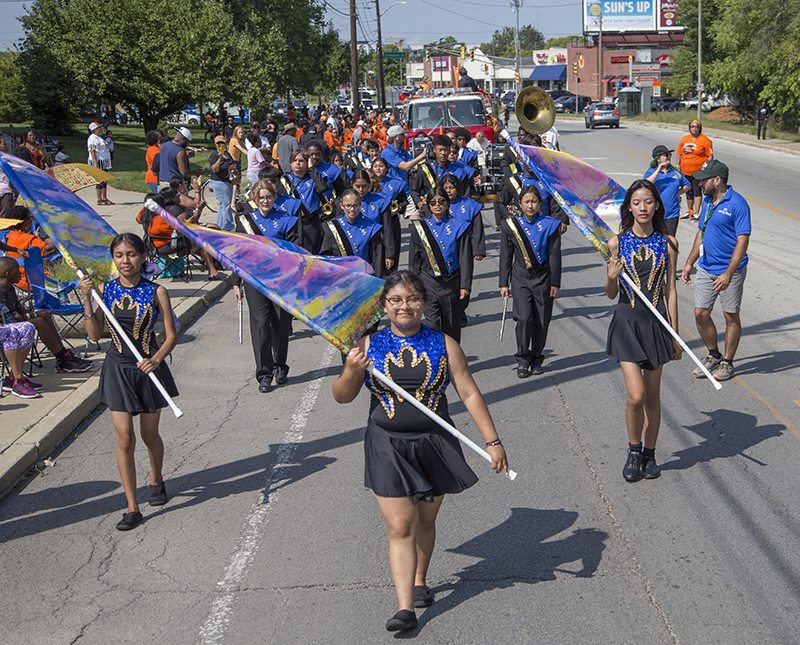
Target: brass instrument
395,207
327,209
535,110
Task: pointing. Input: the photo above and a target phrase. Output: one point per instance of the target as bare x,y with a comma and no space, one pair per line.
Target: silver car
602,114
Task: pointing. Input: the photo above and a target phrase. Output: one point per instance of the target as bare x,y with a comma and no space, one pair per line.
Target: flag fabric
81,235
78,175
337,302
579,189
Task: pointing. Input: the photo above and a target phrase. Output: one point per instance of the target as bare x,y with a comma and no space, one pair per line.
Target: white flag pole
113,321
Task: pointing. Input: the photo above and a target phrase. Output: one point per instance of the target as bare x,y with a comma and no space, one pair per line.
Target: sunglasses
434,202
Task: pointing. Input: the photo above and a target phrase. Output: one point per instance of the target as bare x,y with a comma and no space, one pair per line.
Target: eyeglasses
348,206
434,202
264,198
413,302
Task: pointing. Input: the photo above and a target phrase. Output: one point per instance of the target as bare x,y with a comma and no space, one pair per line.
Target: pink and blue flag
81,235
338,300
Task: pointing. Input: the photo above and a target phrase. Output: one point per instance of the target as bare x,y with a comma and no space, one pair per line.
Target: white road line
222,608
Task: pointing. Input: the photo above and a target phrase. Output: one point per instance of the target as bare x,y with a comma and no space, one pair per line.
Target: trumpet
395,206
327,209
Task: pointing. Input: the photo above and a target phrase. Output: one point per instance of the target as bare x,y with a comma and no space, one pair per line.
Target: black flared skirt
419,465
635,336
125,388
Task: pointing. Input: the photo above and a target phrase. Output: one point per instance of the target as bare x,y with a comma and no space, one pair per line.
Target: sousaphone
535,110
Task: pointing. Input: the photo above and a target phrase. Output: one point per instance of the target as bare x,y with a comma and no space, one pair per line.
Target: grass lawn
683,117
129,151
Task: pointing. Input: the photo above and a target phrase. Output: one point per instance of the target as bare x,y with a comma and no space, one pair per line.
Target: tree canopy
502,43
157,56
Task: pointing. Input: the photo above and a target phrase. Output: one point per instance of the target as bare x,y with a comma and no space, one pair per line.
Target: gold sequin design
432,385
143,319
655,276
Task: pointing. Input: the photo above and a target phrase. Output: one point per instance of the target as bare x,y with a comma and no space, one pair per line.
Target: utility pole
379,66
354,91
699,56
600,92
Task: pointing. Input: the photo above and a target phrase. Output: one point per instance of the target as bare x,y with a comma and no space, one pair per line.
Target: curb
57,424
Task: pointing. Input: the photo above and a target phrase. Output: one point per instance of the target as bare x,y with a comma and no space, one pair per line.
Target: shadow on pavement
521,549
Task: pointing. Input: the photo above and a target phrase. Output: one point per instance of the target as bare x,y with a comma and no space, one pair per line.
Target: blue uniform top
306,190
359,234
545,194
394,157
287,204
538,233
669,185
275,224
465,209
722,225
393,187
373,205
460,170
465,155
447,231
331,172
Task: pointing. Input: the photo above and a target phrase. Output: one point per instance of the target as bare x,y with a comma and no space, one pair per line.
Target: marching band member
309,186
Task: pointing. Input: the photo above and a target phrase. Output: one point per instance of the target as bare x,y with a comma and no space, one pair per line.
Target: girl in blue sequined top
125,386
410,461
648,254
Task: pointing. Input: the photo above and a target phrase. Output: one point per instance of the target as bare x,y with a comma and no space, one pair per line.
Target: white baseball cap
395,131
185,133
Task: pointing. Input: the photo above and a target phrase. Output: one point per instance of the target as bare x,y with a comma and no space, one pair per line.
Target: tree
684,68
562,41
758,53
502,43
13,106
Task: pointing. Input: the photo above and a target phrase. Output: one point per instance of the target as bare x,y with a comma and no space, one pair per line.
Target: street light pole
516,4
354,91
379,65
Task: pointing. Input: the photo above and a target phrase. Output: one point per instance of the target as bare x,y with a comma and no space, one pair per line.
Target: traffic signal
427,56
463,52
516,78
575,68
472,54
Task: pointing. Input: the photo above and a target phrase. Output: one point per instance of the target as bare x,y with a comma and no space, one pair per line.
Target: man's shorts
694,188
731,298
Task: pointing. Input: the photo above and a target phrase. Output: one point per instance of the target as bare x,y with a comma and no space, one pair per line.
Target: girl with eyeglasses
411,463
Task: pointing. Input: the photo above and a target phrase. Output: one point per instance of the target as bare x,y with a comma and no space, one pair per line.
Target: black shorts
694,190
178,246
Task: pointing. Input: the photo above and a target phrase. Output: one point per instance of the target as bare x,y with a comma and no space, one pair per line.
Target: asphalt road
270,536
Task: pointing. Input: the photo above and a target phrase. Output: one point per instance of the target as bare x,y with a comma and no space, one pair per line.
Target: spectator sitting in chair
66,361
193,205
21,238
166,240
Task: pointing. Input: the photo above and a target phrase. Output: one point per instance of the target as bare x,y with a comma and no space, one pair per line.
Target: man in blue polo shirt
671,184
398,158
721,248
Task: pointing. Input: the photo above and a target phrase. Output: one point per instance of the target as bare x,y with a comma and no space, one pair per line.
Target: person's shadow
520,550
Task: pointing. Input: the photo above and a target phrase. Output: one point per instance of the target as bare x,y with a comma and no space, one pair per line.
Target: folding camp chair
171,264
53,296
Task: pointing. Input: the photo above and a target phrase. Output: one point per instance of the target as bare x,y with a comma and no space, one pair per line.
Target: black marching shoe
523,371
537,369
265,384
633,467
650,469
401,621
158,495
129,521
422,596
282,375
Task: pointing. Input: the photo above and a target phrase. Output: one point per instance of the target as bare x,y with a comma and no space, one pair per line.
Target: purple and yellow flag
590,198
337,302
82,236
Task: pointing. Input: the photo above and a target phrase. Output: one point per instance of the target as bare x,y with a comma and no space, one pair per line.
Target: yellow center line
772,208
630,152
740,381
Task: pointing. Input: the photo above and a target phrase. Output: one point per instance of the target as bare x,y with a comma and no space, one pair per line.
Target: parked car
557,94
659,103
567,106
601,114
279,107
509,98
718,99
299,104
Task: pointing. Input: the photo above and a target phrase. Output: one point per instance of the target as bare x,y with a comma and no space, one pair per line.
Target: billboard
630,15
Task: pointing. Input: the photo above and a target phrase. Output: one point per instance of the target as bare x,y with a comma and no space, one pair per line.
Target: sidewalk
31,428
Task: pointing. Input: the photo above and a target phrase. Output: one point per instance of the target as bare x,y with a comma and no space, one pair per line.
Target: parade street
270,536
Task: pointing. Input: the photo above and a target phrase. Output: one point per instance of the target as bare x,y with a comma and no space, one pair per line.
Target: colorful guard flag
82,236
336,301
590,198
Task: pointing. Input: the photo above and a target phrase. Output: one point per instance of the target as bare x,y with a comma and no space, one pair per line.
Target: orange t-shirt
150,177
693,153
160,228
20,240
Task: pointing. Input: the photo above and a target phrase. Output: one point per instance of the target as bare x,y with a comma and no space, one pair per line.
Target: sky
418,21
